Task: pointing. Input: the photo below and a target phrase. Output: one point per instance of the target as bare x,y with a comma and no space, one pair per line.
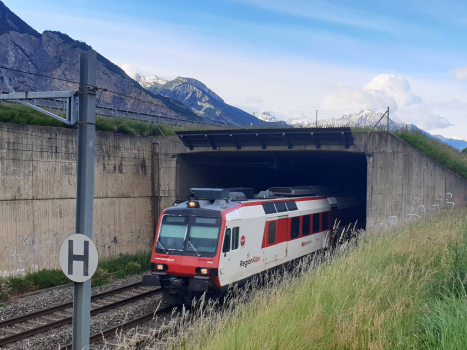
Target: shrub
133,268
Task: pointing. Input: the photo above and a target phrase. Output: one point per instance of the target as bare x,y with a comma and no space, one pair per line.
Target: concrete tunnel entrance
264,169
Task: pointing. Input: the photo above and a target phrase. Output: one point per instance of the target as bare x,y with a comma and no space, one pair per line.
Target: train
225,236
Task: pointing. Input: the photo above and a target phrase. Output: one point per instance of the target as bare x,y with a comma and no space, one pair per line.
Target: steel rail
60,307
111,331
67,320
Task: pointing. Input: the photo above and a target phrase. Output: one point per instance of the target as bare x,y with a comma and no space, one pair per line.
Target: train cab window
306,225
325,220
294,227
235,237
272,233
315,222
269,208
281,207
291,205
226,246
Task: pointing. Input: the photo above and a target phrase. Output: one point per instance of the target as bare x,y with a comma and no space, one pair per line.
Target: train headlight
205,271
161,267
193,204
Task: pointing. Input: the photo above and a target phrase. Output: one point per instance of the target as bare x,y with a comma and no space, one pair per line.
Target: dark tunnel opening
265,169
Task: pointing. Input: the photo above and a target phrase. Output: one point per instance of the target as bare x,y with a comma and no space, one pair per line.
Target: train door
276,246
231,253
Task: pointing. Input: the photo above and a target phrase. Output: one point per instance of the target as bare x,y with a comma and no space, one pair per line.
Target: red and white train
220,236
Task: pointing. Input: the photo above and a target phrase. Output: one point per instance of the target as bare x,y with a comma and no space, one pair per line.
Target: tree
464,150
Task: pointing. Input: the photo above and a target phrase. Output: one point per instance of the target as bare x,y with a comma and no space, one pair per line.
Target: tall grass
377,292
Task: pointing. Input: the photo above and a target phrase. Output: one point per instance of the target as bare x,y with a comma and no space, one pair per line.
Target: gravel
62,335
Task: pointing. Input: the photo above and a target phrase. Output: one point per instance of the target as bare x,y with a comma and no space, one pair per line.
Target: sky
290,58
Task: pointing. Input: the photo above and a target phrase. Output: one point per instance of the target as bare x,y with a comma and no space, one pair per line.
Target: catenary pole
85,190
387,126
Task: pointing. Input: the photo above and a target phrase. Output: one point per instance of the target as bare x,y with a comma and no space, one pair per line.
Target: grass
396,288
109,269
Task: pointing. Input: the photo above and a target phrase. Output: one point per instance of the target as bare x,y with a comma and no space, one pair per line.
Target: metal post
316,118
85,190
387,126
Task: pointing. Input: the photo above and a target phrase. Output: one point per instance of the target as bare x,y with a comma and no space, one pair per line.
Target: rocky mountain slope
458,144
200,99
57,55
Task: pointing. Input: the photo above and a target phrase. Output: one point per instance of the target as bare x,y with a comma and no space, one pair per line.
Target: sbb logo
242,241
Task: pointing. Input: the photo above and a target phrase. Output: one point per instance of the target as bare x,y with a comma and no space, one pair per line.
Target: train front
186,250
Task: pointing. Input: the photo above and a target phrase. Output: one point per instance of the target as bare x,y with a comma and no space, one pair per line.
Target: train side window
295,227
235,237
306,225
272,233
226,246
315,222
325,220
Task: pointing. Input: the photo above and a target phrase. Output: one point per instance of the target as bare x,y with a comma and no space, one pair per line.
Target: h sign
78,258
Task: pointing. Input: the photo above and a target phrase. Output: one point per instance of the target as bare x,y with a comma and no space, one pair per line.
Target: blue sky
287,57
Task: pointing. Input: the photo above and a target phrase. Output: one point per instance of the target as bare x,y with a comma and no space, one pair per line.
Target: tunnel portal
264,169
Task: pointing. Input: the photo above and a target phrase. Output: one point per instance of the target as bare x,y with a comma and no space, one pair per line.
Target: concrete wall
403,182
38,195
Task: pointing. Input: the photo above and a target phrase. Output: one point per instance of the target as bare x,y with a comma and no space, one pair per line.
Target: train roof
224,198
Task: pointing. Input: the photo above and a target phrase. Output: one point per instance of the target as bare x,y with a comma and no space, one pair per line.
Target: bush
132,268
5,288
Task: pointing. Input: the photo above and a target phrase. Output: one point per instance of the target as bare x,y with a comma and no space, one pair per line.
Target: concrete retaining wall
38,195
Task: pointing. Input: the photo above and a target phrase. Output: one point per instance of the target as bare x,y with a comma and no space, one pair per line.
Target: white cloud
254,100
387,90
133,71
422,116
460,73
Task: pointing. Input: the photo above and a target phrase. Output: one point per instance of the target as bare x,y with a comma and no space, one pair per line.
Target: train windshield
192,235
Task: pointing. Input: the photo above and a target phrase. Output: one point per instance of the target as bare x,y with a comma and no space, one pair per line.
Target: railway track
44,320
113,330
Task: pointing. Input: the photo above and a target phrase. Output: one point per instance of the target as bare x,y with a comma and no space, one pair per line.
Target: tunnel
346,171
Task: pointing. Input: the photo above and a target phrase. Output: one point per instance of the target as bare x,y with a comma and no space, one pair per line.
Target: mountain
459,144
57,55
200,99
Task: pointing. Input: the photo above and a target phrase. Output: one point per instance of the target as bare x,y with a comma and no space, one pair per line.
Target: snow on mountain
267,117
147,82
357,119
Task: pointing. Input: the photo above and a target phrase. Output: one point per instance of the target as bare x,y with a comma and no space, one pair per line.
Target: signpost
78,258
